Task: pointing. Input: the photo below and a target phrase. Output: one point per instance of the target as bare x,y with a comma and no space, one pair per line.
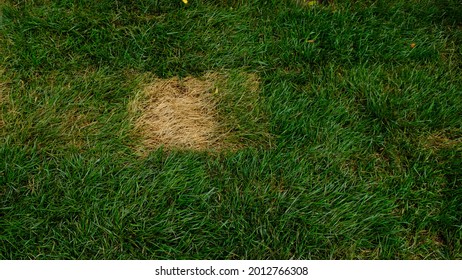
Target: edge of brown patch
244,123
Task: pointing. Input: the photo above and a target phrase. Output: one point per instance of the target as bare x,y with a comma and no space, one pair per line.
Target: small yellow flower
311,3
185,1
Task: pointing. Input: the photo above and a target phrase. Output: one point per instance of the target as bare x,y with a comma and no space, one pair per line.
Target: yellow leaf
185,1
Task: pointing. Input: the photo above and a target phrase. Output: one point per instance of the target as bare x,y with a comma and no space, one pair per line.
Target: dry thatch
177,114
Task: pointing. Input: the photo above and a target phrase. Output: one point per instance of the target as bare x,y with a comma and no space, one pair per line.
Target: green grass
365,160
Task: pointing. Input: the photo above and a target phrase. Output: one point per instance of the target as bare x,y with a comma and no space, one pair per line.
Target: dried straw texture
178,114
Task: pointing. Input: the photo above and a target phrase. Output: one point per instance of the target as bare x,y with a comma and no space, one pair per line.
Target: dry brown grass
185,114
177,114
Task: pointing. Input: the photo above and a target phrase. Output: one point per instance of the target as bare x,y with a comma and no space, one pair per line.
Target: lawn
319,131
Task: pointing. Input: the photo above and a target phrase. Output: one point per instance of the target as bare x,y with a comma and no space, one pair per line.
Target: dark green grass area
365,160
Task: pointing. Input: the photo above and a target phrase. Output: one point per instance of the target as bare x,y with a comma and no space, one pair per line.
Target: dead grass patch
178,114
192,113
